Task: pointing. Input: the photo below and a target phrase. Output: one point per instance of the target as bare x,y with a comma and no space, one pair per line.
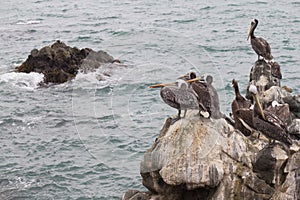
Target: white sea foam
28,22
28,81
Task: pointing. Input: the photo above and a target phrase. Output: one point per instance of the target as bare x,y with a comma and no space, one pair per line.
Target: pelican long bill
259,106
173,83
162,85
249,32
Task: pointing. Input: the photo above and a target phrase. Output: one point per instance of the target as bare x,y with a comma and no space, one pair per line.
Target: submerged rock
60,63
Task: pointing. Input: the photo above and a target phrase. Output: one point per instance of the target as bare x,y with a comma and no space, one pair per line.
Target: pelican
269,123
242,114
179,96
201,89
275,70
215,102
259,45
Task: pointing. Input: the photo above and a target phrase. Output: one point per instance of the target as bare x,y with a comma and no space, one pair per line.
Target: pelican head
234,82
181,84
188,76
209,79
275,104
252,27
253,90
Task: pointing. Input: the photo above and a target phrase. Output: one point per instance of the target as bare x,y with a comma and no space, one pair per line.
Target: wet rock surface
60,63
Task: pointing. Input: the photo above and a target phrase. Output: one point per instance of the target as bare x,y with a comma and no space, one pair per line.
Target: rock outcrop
60,63
264,75
197,158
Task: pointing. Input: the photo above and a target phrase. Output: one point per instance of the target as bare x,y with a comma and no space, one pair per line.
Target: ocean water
85,139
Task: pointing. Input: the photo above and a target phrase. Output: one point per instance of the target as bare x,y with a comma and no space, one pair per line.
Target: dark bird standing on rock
215,102
275,70
268,122
242,114
201,89
259,45
180,97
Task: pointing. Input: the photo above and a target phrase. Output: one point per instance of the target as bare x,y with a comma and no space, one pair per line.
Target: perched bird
275,70
268,122
215,102
201,89
242,114
259,45
180,97
281,110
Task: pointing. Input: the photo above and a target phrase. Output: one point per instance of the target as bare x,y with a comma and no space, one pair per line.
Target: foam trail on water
28,22
29,81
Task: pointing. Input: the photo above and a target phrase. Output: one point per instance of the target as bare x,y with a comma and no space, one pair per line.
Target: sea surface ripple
85,139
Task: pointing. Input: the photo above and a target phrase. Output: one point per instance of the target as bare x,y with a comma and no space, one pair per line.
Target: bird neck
252,30
237,91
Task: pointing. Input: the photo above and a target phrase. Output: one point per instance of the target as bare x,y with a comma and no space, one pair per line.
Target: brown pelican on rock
259,45
242,114
181,97
268,122
275,70
201,89
215,102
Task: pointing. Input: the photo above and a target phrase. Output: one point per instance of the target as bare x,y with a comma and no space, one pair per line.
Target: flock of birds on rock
190,92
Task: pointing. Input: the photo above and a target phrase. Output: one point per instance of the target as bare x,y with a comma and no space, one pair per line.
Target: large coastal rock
60,63
198,158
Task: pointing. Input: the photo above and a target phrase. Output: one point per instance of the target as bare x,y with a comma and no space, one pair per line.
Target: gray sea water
85,139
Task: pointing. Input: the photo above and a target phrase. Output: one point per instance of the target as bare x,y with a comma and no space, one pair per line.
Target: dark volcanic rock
60,63
136,195
269,164
294,103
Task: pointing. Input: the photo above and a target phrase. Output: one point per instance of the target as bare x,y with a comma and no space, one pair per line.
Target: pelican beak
250,29
162,85
194,79
173,83
249,33
184,77
259,106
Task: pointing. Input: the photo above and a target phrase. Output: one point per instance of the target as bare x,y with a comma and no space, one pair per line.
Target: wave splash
29,81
